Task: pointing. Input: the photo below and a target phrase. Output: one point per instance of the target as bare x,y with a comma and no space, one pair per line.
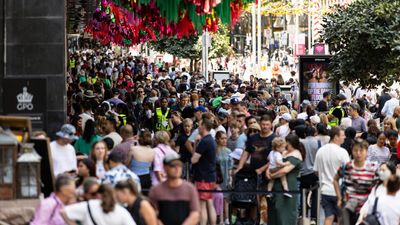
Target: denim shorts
329,203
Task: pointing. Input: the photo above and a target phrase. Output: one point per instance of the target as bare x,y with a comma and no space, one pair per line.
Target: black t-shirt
382,100
188,112
338,113
204,170
259,147
322,106
176,131
183,152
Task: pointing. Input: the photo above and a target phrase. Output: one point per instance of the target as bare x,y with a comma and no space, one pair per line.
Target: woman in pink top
161,139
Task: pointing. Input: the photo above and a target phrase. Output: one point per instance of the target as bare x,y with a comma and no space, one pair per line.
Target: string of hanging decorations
130,22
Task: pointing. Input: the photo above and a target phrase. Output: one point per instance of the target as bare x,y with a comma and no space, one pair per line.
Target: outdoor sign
220,75
314,79
26,97
319,49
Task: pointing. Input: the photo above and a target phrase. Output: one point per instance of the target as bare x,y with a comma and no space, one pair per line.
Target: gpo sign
24,100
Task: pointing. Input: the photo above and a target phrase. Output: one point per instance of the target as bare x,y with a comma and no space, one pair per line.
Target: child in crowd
275,158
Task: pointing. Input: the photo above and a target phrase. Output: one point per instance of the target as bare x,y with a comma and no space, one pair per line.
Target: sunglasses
92,194
253,131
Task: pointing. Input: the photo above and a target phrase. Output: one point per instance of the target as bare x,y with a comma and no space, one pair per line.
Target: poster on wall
314,79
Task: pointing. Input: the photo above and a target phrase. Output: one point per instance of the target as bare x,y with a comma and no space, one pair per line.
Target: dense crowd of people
148,143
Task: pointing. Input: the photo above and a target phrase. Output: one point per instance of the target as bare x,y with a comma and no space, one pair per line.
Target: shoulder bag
373,218
90,214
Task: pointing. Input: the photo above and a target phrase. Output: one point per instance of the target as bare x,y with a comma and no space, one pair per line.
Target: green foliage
364,39
181,47
220,43
190,47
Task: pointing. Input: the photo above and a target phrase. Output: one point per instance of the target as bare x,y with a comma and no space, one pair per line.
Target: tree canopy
364,39
190,47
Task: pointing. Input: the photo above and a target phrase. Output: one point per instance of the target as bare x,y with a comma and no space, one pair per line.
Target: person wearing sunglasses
253,128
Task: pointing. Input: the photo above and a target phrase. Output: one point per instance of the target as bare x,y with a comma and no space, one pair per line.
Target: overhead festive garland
128,22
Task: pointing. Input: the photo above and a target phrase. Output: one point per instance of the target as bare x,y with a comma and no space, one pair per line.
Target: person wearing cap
323,104
62,152
283,130
390,105
222,119
225,104
175,200
162,117
198,112
204,160
304,115
115,99
336,113
118,171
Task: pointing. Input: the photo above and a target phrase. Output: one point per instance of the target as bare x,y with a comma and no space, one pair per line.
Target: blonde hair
162,137
324,118
283,109
294,113
392,122
277,142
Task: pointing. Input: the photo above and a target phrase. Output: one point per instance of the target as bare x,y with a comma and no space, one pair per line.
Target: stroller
243,182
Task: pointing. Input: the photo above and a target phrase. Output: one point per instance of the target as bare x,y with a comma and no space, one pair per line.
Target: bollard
305,220
319,205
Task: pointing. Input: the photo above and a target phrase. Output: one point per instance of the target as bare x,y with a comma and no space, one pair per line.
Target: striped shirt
358,181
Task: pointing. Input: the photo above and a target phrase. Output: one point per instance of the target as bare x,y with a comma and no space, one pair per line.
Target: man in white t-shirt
327,161
62,152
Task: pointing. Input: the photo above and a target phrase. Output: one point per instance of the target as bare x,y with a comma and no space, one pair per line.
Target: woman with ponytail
139,208
103,211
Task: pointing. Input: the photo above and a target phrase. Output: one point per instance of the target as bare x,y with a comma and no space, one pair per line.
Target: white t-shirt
378,154
388,208
195,133
375,192
303,116
64,158
80,212
274,158
327,162
115,137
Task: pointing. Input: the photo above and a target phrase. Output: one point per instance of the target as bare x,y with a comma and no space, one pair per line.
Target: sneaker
287,194
227,222
269,195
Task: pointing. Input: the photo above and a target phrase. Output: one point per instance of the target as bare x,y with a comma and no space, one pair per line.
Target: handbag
372,219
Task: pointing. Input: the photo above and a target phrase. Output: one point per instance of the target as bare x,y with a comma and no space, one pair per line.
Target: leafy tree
364,39
191,47
185,47
220,43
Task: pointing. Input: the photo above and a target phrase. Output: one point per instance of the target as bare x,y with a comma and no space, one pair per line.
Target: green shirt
85,147
82,78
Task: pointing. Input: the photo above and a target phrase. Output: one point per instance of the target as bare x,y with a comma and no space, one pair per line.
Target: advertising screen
314,79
